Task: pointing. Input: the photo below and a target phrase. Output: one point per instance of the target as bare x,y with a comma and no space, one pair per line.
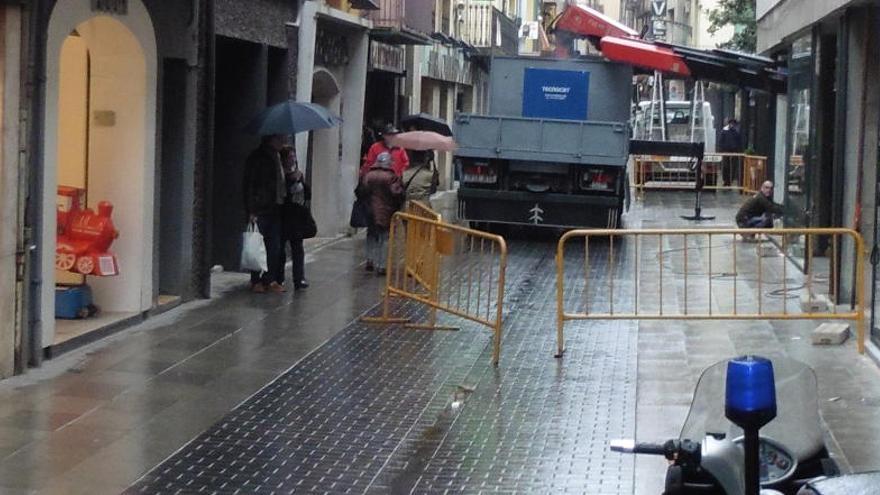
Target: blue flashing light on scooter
750,403
737,404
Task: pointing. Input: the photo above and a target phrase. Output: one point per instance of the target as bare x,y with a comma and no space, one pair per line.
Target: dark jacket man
264,191
757,211
730,140
264,187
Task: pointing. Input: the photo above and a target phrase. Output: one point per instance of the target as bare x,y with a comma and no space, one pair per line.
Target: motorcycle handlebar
630,446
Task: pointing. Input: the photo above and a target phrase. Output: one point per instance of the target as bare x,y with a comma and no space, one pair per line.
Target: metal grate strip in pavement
332,422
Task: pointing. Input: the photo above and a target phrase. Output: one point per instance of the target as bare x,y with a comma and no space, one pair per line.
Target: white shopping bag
253,250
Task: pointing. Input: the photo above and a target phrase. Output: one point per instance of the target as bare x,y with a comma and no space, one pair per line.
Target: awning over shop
643,54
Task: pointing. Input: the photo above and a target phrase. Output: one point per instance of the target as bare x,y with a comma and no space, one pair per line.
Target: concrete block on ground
830,334
817,304
766,249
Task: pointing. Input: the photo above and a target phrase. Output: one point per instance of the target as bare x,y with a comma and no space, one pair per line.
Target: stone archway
324,155
120,143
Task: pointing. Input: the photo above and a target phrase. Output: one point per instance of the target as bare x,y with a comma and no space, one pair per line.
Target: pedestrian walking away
730,141
296,220
421,179
264,193
386,196
757,212
399,158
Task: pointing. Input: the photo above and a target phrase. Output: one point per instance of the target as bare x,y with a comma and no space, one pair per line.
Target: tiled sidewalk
397,411
391,410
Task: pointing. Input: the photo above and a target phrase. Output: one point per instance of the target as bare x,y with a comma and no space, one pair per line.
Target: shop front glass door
797,165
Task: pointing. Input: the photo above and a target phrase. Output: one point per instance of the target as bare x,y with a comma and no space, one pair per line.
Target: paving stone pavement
672,354
272,406
396,410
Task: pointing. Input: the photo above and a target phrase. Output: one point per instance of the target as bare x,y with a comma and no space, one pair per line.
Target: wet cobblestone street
398,410
254,394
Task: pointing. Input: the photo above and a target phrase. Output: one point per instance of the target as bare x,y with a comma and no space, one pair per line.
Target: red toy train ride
84,236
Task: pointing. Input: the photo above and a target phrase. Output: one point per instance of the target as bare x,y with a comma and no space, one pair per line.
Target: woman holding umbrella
421,179
265,179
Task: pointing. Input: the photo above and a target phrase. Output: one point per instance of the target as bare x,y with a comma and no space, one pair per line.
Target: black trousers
730,169
297,256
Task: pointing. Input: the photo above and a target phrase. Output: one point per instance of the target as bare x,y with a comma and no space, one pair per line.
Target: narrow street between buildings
264,393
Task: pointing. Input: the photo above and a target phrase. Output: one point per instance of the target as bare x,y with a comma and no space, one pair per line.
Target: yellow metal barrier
420,209
448,268
666,172
418,246
708,274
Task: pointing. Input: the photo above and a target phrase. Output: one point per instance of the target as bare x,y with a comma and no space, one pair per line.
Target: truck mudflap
540,210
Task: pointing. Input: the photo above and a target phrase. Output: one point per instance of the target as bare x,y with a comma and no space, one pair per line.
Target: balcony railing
484,26
403,21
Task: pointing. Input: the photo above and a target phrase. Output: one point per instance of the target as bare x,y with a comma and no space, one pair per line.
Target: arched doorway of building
324,156
100,126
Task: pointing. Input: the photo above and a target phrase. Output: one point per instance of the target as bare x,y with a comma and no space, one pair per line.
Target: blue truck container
553,150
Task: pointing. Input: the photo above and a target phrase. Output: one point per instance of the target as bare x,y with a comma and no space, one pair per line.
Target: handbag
253,250
360,214
435,178
309,227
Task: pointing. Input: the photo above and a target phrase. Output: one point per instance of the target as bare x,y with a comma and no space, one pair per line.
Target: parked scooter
726,428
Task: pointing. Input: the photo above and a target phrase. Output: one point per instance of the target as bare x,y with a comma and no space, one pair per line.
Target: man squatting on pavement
757,212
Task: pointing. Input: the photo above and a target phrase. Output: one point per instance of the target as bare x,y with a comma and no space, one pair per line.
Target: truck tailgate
516,138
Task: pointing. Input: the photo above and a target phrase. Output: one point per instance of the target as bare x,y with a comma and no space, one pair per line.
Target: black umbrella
291,117
426,122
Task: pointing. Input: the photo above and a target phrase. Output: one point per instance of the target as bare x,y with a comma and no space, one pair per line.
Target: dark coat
385,192
262,171
756,206
295,217
730,140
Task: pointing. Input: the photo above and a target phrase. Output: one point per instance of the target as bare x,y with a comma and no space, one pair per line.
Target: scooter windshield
796,425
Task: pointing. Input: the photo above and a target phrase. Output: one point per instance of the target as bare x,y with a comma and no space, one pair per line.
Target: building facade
142,104
13,174
827,123
447,46
139,104
113,112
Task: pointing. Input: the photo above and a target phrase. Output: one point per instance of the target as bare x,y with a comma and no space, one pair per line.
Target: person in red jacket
399,159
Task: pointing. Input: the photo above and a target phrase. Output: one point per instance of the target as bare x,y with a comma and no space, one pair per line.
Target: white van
678,124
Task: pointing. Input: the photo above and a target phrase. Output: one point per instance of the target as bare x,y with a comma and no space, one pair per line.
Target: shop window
797,165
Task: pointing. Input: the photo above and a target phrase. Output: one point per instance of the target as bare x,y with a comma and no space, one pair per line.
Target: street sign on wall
555,94
658,21
658,7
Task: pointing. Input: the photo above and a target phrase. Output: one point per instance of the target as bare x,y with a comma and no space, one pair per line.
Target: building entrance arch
324,154
100,135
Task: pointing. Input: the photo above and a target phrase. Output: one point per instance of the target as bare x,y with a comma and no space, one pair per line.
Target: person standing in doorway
730,142
263,197
399,158
294,218
385,197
